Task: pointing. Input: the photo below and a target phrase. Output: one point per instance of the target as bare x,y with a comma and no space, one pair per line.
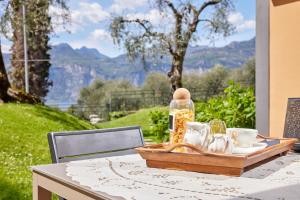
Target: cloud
157,18
119,6
57,19
90,12
100,34
86,14
241,24
99,39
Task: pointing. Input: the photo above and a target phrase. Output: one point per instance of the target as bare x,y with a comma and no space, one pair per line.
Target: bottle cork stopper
181,94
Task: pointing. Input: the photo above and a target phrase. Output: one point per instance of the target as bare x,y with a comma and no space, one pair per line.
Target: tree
158,82
93,97
187,18
39,26
209,83
192,79
214,81
245,75
4,82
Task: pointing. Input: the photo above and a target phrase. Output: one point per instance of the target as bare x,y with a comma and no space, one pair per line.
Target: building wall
284,60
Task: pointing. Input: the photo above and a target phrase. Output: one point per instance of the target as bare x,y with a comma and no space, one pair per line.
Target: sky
90,21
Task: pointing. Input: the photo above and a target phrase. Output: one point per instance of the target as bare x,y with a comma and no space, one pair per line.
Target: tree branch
208,3
162,36
206,20
178,24
171,6
193,25
142,23
192,8
170,48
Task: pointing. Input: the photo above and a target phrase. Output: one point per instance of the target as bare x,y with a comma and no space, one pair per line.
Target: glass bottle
219,141
181,112
217,126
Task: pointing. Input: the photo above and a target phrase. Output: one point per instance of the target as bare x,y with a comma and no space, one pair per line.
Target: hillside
23,142
140,118
73,69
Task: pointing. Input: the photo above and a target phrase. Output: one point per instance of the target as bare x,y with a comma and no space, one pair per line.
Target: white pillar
25,52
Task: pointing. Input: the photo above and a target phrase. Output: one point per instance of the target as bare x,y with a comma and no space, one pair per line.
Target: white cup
244,137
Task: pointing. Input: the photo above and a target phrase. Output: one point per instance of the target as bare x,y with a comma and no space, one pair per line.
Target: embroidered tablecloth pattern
130,178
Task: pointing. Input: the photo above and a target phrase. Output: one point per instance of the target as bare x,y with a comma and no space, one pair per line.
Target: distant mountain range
73,69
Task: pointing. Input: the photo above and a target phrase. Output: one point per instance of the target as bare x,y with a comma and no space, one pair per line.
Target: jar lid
181,94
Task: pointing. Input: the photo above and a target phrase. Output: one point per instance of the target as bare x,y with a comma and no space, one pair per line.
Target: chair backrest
79,145
292,119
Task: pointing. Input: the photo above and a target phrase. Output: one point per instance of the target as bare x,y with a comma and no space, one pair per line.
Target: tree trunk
4,82
175,74
38,27
39,21
7,94
17,64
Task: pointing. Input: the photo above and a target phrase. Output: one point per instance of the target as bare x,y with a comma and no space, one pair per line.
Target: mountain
73,69
233,55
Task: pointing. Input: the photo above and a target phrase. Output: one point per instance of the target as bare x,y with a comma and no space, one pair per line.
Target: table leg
39,193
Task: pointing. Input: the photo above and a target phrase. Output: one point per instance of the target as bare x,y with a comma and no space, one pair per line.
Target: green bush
119,114
159,122
236,107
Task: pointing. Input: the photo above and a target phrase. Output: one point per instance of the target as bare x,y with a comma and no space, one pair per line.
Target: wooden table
131,179
47,179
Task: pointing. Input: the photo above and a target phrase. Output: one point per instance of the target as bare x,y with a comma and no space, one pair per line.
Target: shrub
117,115
236,107
159,121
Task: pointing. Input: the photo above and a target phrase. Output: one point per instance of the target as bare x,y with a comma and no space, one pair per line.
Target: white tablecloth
130,178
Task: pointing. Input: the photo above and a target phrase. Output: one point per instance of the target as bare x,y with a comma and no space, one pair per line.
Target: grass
140,118
23,143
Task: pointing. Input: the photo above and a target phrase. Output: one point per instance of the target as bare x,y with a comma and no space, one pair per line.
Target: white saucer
247,150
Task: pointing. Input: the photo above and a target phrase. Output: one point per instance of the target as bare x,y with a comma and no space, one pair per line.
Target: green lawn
23,142
140,118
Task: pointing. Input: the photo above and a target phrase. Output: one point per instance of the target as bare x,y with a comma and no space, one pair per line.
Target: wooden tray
161,156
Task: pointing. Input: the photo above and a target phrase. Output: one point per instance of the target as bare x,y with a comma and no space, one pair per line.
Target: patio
103,162
128,177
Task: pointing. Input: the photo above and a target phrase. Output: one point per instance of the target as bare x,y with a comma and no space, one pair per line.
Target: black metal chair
292,121
79,145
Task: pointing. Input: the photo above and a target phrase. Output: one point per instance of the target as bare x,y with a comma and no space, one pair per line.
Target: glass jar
219,142
181,112
217,126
